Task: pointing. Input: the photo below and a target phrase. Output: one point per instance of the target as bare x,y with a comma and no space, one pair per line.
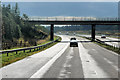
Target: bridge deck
75,21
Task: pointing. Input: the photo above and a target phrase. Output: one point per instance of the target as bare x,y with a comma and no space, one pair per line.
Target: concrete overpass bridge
74,21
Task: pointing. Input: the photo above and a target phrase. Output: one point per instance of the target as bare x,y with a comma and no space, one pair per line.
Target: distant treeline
14,27
87,28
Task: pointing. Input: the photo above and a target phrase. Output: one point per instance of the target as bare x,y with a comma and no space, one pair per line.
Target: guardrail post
16,52
24,51
7,54
52,32
30,50
93,32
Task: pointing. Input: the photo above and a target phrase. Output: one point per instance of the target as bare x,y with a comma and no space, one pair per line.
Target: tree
9,7
14,27
25,17
17,12
18,32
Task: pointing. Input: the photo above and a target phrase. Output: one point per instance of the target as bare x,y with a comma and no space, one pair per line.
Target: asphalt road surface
67,66
88,60
107,40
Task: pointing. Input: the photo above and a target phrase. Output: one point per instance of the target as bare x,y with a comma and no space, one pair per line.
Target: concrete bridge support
52,32
93,32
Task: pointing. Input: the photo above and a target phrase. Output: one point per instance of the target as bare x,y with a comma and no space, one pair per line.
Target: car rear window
73,38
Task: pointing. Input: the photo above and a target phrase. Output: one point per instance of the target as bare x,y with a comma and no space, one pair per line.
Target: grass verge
13,57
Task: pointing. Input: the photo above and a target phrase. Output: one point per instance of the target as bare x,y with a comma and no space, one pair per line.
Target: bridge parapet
72,19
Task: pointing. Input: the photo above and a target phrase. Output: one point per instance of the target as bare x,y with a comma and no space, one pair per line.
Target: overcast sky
60,0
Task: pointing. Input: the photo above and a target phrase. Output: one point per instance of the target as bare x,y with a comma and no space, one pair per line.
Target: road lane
90,68
67,66
105,60
116,44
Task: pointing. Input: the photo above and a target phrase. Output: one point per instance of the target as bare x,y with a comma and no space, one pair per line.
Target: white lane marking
46,67
64,73
90,66
66,65
95,50
63,70
69,57
116,67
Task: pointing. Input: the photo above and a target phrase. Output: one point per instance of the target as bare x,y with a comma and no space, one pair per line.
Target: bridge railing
73,19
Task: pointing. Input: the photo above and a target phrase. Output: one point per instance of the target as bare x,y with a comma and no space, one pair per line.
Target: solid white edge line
45,68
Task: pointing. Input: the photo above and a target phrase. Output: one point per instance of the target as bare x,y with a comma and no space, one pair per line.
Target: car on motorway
67,33
103,36
74,33
59,32
73,42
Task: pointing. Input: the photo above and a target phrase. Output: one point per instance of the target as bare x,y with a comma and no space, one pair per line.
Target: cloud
60,0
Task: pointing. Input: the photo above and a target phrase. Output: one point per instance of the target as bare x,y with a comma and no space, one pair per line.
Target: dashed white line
66,65
64,73
115,67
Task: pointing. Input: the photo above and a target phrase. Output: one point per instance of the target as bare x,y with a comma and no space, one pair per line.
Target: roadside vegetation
16,32
13,57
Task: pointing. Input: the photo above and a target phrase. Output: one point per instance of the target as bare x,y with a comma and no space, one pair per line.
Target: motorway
107,40
88,60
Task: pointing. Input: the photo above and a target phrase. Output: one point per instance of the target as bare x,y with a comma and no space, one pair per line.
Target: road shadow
77,41
110,41
86,41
